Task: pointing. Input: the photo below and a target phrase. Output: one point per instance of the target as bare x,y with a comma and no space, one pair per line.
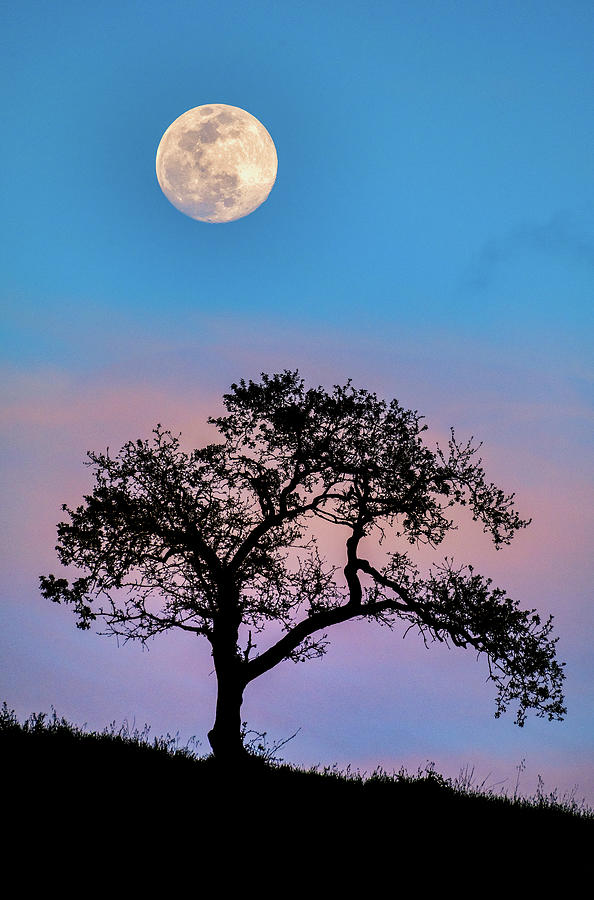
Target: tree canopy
218,541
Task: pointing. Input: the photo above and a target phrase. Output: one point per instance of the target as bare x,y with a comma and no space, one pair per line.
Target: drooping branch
458,604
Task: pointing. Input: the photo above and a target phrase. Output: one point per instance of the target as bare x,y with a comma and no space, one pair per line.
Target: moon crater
216,163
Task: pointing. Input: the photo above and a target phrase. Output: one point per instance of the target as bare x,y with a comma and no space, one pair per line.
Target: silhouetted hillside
60,773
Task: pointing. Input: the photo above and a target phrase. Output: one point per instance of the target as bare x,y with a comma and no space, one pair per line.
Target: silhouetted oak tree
217,542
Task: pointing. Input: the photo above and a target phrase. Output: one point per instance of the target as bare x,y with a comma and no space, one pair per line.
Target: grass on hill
47,756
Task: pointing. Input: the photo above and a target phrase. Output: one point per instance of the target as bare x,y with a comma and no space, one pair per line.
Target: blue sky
430,233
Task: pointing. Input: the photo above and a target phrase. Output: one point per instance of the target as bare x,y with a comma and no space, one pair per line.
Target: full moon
216,163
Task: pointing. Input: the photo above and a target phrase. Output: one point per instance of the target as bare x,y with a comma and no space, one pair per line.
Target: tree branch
315,622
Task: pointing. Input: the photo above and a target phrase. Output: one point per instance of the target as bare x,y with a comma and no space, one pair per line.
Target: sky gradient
430,234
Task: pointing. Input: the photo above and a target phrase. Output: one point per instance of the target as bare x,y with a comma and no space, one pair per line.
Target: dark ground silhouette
71,777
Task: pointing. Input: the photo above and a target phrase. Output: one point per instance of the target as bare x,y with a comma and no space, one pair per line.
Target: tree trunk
225,736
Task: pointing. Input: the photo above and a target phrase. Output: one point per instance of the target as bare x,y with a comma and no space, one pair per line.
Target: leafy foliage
218,541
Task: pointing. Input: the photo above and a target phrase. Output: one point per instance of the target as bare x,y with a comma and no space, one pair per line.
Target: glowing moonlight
216,163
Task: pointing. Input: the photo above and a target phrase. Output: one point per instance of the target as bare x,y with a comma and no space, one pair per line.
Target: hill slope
61,773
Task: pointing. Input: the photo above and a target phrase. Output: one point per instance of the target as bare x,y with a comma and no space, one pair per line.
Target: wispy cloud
562,237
